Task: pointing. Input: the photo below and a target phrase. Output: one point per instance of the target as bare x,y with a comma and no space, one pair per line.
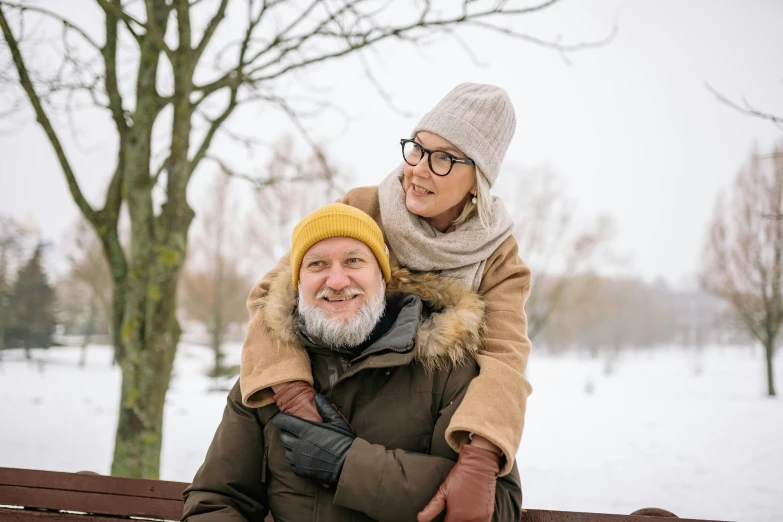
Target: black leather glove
316,450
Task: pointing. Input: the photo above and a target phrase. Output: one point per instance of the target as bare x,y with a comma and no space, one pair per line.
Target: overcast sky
629,128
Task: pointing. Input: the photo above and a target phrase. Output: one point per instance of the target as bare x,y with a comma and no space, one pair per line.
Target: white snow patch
690,433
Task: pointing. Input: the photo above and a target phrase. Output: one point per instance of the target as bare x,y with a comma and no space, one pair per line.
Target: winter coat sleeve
494,406
390,484
266,360
228,486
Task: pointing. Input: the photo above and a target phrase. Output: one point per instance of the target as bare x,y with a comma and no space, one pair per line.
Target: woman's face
438,199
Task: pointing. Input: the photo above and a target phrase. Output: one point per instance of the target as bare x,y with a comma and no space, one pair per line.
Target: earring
474,200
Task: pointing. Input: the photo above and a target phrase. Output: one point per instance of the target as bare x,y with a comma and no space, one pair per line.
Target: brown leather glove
296,398
468,493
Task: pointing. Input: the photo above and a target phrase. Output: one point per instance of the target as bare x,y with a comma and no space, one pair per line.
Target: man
392,357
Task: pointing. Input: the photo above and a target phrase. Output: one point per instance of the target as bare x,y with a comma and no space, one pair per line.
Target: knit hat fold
337,220
477,119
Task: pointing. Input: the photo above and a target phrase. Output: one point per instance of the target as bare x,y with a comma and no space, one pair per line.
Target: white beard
351,333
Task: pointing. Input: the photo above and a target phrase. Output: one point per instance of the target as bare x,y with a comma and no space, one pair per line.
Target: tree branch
329,175
318,30
114,194
118,12
260,183
215,124
246,141
359,40
279,36
385,96
227,80
466,48
52,14
557,46
109,52
747,109
43,120
213,128
233,78
106,225
161,168
209,32
152,29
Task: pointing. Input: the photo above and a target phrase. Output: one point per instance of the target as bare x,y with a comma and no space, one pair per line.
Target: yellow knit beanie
337,220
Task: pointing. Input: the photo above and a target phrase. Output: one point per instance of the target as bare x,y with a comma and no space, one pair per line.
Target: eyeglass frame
454,159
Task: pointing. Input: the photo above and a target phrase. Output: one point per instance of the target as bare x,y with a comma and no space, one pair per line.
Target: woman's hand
468,493
296,398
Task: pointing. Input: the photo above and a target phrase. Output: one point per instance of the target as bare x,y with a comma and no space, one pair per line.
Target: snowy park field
691,433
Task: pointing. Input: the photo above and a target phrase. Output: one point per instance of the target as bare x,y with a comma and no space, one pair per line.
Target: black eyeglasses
440,161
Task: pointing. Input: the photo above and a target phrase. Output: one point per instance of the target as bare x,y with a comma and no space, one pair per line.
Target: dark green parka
398,393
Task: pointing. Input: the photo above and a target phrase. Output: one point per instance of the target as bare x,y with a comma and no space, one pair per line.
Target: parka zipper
364,355
348,373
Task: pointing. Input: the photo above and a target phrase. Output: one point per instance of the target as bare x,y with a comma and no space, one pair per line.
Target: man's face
338,276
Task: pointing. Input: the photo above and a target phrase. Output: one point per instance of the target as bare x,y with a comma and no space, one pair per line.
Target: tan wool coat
494,405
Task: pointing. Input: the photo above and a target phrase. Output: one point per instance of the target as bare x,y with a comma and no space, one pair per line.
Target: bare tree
149,65
743,255
9,242
16,243
84,294
214,287
277,210
560,249
32,303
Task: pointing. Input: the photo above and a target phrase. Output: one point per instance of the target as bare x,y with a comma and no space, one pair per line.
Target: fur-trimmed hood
449,336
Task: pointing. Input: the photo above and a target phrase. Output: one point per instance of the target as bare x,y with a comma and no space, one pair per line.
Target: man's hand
296,398
468,493
316,450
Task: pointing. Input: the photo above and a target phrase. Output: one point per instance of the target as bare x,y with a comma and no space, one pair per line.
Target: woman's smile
420,191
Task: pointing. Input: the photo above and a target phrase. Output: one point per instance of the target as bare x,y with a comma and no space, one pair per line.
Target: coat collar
448,336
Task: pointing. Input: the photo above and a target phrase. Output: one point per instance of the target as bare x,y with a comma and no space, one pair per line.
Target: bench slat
99,503
125,497
24,515
16,515
121,486
541,515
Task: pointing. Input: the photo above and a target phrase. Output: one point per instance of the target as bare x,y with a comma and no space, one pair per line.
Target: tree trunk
217,352
218,327
146,373
769,352
145,381
117,312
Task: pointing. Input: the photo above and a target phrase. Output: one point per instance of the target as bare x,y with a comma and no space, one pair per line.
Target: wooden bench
47,496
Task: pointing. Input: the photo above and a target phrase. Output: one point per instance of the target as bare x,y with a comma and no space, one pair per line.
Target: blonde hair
483,205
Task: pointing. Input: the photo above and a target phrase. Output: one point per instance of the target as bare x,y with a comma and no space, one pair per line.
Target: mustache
345,293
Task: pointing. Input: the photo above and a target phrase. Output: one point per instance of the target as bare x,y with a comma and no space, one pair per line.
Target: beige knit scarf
461,253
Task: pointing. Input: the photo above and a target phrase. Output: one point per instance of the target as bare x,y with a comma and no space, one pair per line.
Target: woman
437,215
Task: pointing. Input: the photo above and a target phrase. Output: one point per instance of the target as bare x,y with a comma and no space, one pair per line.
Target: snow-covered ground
666,428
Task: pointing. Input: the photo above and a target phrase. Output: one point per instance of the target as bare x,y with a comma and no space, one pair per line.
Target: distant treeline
614,313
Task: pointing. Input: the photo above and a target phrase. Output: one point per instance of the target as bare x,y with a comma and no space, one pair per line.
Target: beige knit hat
477,119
